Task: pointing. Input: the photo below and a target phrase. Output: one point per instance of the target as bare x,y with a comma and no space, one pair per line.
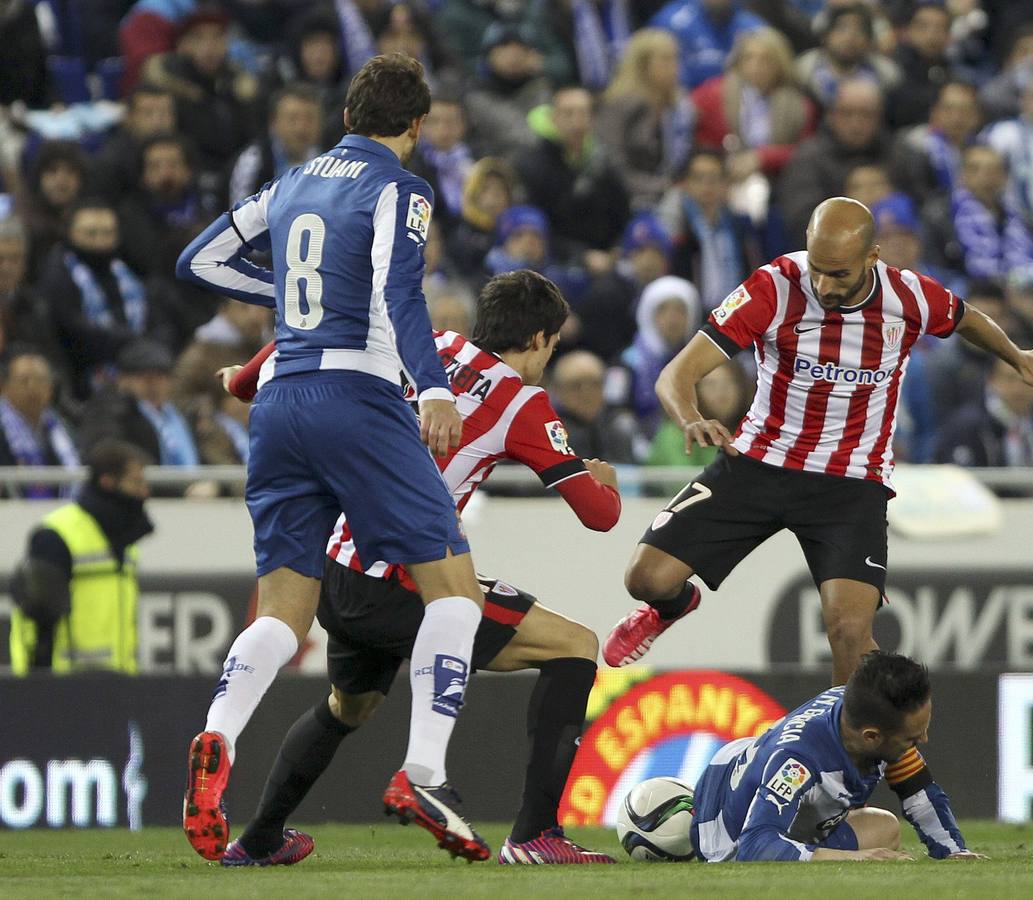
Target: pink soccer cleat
204,815
633,635
296,846
551,847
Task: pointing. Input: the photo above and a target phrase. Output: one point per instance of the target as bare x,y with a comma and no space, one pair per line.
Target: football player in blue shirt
330,431
798,792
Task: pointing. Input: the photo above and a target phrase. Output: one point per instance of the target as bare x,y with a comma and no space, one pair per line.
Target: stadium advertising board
948,618
1015,748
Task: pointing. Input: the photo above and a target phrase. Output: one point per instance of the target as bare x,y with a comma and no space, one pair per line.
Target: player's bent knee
644,585
584,644
354,710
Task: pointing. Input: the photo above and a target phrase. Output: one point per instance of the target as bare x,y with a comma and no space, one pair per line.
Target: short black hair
17,350
385,95
702,153
295,90
852,9
513,307
174,138
110,456
884,688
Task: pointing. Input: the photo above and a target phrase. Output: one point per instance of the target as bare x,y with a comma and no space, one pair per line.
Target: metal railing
507,477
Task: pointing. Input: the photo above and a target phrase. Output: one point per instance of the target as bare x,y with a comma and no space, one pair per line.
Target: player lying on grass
372,611
799,791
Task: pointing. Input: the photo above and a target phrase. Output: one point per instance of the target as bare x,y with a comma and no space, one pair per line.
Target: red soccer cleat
432,808
204,815
551,847
633,635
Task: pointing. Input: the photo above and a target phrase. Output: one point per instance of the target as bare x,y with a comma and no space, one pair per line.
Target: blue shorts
327,442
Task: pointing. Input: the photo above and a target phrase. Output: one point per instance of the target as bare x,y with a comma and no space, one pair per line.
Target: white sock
251,665
438,672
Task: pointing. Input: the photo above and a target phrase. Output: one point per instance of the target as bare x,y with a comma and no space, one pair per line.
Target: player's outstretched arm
676,390
979,329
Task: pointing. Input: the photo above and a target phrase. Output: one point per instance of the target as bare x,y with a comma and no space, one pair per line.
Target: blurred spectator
958,370
312,55
646,119
116,167
31,431
706,31
23,313
451,311
1000,96
488,191
713,247
755,110
221,427
868,184
978,230
235,334
568,174
163,211
214,97
439,272
851,135
723,394
508,86
921,57
1013,139
523,243
138,408
150,28
668,315
23,64
928,157
466,24
293,136
1019,294
57,181
408,28
995,431
847,53
443,157
603,320
898,231
97,302
595,430
76,592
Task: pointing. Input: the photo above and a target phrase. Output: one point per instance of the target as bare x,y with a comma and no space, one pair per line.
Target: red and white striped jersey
828,380
503,418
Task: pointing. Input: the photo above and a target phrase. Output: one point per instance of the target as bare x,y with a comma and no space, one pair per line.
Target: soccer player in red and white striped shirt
831,329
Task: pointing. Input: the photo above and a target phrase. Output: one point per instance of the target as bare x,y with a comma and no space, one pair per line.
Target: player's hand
226,373
885,854
966,854
1025,365
441,426
602,472
709,433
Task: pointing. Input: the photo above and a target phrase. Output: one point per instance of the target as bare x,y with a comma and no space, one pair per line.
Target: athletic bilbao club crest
892,332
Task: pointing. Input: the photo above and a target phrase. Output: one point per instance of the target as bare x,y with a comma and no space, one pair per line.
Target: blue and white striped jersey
346,232
777,796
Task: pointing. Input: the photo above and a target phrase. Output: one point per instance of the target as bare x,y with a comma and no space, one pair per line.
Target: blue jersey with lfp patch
781,795
346,231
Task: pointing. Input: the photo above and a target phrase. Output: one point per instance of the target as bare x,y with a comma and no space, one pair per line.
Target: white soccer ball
654,820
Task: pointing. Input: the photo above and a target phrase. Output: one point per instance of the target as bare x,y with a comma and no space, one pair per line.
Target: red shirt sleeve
945,309
538,439
244,385
745,314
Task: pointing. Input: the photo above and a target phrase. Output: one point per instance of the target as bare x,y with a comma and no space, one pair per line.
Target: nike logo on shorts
800,330
874,565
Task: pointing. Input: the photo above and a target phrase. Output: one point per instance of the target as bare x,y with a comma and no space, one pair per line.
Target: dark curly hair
385,95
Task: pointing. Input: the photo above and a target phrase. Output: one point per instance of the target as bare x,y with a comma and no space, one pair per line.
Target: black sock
555,718
305,753
675,606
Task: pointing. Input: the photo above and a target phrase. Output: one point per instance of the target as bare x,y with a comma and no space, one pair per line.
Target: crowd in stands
646,155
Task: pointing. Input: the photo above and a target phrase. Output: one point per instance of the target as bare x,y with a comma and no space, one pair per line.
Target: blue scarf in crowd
677,125
721,262
175,442
26,443
452,167
944,158
95,303
601,32
356,38
992,249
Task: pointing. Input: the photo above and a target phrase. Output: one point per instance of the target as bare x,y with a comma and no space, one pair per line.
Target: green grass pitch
388,861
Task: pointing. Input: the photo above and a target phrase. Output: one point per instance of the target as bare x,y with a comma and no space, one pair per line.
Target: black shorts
371,624
737,503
